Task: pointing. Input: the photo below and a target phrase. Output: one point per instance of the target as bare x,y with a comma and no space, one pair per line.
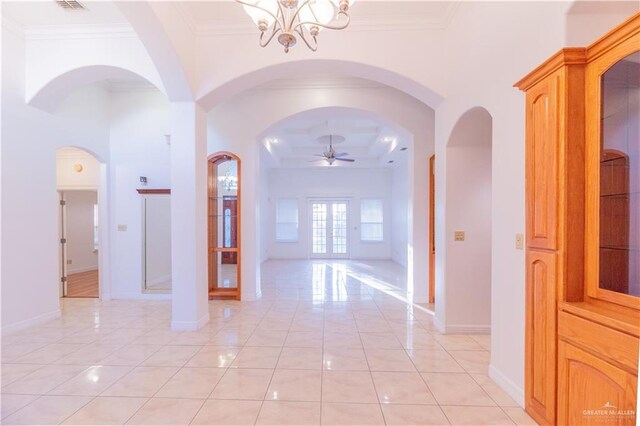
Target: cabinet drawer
614,346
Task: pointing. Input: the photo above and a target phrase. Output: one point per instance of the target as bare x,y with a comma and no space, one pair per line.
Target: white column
250,250
418,241
190,310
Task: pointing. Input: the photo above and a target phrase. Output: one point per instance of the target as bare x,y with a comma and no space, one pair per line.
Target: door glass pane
339,223
319,228
620,178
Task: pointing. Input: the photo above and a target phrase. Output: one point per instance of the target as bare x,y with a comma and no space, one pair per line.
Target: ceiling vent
70,4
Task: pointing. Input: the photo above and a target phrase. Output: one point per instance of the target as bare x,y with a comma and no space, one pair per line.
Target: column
190,309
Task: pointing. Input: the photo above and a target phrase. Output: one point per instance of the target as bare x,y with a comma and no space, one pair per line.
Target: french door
329,229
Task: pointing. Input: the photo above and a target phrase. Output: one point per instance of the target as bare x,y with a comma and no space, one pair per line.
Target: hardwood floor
83,284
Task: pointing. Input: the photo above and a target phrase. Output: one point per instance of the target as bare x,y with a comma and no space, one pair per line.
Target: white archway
52,92
230,131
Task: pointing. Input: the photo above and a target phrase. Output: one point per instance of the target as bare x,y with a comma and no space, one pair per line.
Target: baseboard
40,319
80,270
159,280
514,391
190,325
466,329
439,325
140,296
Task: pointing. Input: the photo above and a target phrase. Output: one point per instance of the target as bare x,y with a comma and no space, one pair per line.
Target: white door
329,229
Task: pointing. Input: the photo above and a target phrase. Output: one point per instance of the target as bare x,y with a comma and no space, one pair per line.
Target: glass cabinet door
224,226
619,191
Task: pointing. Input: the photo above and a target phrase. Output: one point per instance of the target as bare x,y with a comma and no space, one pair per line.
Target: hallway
329,343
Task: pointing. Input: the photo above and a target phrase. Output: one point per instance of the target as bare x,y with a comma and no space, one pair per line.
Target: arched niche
223,224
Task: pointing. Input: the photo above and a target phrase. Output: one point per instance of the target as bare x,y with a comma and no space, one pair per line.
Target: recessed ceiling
40,13
294,142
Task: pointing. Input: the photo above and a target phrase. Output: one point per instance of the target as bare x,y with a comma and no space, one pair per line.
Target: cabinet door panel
593,392
542,164
540,344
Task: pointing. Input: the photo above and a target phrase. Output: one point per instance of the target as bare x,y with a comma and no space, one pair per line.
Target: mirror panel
156,237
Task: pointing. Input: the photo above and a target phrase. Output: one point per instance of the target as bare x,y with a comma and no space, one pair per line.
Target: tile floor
329,343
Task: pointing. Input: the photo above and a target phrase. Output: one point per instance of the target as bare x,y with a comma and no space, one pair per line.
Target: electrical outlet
69,261
519,242
458,236
122,228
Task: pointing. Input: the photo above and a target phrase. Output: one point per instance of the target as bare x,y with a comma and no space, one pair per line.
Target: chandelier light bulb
262,12
290,20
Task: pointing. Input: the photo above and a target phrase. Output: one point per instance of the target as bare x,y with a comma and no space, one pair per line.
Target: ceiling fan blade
316,161
342,154
350,160
319,155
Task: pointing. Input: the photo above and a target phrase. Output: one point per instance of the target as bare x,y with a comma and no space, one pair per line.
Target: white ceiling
293,142
47,12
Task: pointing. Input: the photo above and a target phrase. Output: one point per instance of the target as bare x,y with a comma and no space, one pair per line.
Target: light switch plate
458,236
519,242
122,228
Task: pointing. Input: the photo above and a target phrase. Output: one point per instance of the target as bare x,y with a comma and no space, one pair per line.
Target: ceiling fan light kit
330,155
293,19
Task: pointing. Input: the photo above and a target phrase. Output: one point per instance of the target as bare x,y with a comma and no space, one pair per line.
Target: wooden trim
223,250
153,191
620,349
625,44
624,320
432,237
566,56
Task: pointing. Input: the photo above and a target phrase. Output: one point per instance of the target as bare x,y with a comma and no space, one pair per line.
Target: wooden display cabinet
583,232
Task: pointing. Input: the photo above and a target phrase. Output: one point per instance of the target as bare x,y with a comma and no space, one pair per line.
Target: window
95,227
371,223
287,220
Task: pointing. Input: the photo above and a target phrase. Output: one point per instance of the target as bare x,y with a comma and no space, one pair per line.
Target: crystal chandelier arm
314,46
327,26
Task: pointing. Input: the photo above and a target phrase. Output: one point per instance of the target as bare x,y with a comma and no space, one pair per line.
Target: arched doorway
82,248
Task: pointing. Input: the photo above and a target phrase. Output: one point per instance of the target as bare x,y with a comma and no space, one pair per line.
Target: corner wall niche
224,255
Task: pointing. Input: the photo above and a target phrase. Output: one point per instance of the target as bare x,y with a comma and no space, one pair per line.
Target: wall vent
70,4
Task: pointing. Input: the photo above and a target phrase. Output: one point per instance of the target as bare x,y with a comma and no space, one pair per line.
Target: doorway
79,240
329,229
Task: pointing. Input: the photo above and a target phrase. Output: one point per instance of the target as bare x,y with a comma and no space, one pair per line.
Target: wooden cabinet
583,232
540,333
592,391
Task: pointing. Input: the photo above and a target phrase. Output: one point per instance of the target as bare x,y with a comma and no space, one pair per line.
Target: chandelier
290,19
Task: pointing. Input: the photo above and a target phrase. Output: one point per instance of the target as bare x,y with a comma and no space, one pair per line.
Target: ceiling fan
331,156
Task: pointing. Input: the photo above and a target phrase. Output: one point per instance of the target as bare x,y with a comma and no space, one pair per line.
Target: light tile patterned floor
329,343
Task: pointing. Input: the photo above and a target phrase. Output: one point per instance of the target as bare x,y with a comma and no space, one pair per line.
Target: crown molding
78,32
12,26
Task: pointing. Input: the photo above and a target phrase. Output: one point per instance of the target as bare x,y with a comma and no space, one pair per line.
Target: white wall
468,296
399,212
79,231
30,224
352,185
138,122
